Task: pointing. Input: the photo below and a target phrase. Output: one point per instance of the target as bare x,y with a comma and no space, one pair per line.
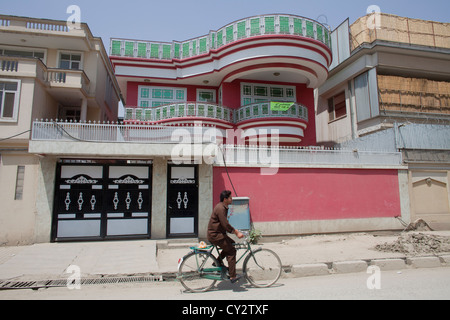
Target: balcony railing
241,29
179,110
110,132
68,78
263,110
213,111
278,156
55,77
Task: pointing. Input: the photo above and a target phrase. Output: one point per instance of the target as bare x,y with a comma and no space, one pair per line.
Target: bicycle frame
219,272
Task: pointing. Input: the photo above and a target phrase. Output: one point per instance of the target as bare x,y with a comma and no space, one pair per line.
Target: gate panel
102,202
182,201
128,201
79,197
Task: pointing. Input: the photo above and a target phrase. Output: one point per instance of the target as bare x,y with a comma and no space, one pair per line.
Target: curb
356,266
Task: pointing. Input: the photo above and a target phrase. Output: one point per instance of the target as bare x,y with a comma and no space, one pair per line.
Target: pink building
235,79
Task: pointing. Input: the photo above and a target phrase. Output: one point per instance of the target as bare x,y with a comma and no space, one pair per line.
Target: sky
168,20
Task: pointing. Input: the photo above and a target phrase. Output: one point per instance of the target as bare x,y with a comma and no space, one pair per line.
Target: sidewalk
301,256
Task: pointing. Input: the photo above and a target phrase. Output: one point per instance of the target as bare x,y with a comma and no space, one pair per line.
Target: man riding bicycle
217,233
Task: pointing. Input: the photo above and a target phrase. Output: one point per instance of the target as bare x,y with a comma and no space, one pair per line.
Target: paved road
422,284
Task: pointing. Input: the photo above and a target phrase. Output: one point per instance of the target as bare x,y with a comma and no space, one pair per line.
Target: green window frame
202,45
154,50
241,30
229,34
269,25
220,38
166,51
255,26
298,26
186,50
309,29
152,96
319,33
176,50
194,47
284,25
142,50
115,48
129,49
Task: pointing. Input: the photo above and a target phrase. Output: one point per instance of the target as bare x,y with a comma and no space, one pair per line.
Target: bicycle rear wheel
262,268
198,272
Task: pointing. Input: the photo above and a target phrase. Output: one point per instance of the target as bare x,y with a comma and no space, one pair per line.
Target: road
422,284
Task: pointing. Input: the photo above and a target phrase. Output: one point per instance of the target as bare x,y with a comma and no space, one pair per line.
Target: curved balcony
274,24
185,112
252,119
255,47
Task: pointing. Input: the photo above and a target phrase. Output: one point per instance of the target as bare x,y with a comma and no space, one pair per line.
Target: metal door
96,202
182,201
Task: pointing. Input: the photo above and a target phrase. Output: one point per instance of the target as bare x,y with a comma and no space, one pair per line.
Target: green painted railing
213,111
245,28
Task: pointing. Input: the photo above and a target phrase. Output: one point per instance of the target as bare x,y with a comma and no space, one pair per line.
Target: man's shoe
235,279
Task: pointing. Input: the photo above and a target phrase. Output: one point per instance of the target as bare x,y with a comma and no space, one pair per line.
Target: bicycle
199,270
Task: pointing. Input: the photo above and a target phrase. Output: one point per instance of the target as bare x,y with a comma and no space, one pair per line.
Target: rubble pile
417,243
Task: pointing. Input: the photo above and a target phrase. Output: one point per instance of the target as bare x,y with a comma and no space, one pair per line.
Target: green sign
280,106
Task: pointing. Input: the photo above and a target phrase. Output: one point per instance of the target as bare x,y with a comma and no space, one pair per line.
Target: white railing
180,110
112,132
257,155
263,110
70,78
281,24
213,111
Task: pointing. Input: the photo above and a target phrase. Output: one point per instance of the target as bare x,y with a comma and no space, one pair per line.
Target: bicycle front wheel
198,272
262,268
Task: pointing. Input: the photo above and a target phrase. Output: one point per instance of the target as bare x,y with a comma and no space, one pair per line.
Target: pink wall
313,194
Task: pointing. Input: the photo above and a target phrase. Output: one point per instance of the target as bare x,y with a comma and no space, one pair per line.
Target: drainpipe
352,111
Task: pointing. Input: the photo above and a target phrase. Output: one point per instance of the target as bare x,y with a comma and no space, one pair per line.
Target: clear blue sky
167,20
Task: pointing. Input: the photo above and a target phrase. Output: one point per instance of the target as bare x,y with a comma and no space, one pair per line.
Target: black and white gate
102,201
182,201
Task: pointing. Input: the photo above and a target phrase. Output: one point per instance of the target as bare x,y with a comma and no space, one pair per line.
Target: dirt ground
417,244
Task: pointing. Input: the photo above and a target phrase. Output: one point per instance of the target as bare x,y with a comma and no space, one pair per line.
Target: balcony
68,79
213,112
258,47
242,29
290,124
105,140
109,140
62,84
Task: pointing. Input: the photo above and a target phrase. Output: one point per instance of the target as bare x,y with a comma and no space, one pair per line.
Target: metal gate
102,201
182,201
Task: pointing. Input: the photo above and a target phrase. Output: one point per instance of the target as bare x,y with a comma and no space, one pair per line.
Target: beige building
47,71
388,89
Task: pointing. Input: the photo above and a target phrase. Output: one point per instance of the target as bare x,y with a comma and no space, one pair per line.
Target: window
159,96
22,53
70,113
9,99
254,93
19,182
337,107
70,61
206,95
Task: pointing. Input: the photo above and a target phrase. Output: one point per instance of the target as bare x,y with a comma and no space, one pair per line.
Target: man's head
226,197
